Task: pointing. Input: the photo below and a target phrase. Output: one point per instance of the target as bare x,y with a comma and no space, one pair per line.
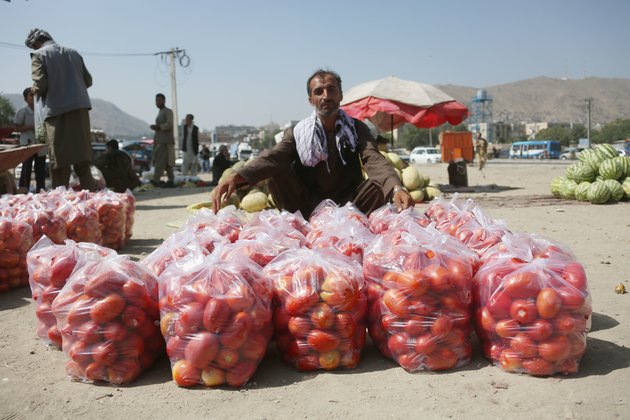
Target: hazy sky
249,60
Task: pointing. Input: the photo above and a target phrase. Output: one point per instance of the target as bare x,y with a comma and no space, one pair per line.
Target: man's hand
225,189
402,200
154,127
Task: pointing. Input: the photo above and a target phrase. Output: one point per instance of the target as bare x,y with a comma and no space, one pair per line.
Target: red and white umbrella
391,102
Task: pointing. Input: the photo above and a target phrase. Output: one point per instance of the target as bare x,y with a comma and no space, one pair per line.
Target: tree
613,131
6,111
560,133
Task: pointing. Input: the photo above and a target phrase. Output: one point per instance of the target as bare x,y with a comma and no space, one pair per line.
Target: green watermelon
610,169
571,170
624,162
598,193
581,191
606,151
556,185
567,189
591,158
616,190
625,184
583,172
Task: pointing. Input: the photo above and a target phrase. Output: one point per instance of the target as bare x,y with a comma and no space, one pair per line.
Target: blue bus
535,149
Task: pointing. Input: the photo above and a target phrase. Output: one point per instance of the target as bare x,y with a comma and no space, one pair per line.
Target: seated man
220,163
322,157
116,168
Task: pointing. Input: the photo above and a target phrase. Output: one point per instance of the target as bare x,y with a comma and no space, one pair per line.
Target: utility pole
588,120
184,61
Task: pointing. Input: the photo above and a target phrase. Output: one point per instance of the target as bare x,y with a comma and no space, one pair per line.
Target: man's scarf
34,35
311,143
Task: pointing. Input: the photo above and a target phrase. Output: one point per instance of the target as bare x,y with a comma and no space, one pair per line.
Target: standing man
190,146
24,122
163,144
481,145
322,157
60,83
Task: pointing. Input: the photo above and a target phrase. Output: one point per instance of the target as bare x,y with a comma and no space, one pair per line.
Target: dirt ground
33,383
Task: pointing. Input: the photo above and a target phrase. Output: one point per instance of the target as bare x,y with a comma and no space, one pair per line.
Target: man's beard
325,113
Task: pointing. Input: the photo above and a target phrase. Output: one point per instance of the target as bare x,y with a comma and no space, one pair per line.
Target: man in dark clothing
117,169
220,163
322,157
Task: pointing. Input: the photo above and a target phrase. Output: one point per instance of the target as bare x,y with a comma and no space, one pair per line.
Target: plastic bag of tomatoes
216,319
477,230
328,211
16,238
320,308
275,223
108,317
261,247
228,221
350,237
388,217
420,298
49,267
179,245
43,222
112,217
82,224
532,306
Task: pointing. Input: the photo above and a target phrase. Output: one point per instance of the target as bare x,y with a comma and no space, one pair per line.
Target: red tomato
201,349
175,347
339,292
350,359
299,326
523,346
60,270
507,328
131,347
301,301
54,335
80,352
438,276
96,372
345,325
104,284
322,341
396,301
307,362
212,376
499,305
441,359
123,371
574,274
190,319
523,311
461,273
548,303
240,374
414,327
280,319
133,317
105,353
578,344
107,308
426,344
487,321
254,347
564,324
88,332
329,360
521,285
567,367
538,367
411,362
322,316
240,297
571,298
237,330
135,292
227,358
185,374
510,361
441,326
555,349
539,330
215,315
398,344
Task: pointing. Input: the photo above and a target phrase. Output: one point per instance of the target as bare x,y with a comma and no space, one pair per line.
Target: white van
425,155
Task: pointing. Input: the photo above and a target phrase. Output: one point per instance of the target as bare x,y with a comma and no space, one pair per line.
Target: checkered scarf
310,138
34,35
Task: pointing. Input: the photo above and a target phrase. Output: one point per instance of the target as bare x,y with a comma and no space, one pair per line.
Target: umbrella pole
391,129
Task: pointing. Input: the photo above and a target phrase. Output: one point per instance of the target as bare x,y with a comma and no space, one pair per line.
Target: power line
22,47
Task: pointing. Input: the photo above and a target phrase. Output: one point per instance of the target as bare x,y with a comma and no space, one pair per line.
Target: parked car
141,151
425,155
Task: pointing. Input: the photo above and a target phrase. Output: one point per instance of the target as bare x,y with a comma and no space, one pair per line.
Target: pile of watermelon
601,176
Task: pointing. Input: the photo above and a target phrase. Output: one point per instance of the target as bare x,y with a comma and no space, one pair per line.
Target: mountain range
531,100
